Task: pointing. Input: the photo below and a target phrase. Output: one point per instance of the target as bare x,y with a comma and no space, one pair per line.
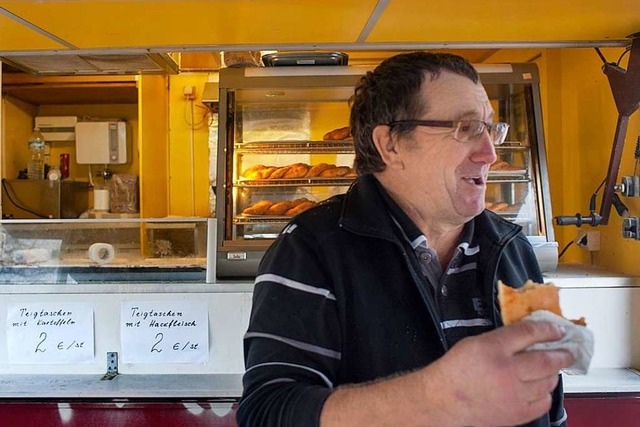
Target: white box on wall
101,142
57,128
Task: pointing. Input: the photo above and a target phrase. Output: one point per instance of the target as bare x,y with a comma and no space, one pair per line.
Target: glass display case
58,251
287,147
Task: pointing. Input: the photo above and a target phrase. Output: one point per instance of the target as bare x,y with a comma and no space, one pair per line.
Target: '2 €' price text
158,346
43,345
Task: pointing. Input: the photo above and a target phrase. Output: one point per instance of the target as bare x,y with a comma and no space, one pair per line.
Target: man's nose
485,150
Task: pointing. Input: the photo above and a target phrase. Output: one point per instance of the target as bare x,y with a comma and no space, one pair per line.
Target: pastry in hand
516,304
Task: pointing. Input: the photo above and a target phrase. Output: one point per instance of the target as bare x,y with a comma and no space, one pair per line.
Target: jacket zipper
427,299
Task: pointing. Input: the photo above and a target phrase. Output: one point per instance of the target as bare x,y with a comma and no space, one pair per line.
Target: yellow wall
189,193
581,117
17,126
153,109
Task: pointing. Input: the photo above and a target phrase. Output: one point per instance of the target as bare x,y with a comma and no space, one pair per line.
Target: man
378,307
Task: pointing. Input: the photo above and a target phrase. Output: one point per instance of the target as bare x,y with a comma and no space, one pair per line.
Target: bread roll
296,202
280,172
300,208
498,165
258,208
297,170
335,172
266,172
337,134
499,206
252,172
279,208
317,169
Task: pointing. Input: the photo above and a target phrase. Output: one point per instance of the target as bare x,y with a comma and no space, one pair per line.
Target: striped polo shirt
463,306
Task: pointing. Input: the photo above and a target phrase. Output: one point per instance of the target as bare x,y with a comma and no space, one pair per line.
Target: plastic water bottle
35,167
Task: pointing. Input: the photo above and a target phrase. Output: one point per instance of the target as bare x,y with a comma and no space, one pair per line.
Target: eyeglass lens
471,129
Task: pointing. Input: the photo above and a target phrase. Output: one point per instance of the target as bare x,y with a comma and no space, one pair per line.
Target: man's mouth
474,180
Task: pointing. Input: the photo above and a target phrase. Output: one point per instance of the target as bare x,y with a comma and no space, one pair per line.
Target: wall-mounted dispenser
101,142
57,128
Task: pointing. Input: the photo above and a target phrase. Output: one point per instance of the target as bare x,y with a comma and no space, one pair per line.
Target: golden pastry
266,172
300,208
317,169
297,170
279,208
335,172
258,208
499,206
280,172
337,134
516,304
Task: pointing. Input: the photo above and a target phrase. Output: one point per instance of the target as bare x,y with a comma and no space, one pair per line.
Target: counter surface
598,381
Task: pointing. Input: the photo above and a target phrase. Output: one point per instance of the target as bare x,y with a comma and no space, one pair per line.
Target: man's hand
486,380
490,380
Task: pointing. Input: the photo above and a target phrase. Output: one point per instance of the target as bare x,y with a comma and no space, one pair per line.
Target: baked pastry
496,207
252,172
498,165
258,208
516,304
280,172
296,202
279,208
266,172
335,172
338,134
317,169
296,170
300,208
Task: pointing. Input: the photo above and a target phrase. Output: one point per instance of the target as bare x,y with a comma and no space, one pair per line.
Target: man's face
448,178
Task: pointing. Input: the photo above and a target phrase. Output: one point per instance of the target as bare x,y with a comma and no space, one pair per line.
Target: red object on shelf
64,165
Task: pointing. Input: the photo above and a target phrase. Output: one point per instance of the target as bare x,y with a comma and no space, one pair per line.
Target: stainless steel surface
122,386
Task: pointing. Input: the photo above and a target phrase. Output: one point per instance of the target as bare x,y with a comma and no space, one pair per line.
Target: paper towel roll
102,253
101,199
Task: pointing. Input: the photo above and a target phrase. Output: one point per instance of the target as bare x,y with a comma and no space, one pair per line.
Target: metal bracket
630,228
112,366
625,86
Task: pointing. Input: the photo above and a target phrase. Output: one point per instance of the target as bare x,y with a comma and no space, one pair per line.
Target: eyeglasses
464,130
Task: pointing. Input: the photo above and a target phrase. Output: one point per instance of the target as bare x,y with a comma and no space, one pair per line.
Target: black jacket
339,300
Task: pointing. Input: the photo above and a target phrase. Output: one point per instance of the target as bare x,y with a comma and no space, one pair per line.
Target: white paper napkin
578,340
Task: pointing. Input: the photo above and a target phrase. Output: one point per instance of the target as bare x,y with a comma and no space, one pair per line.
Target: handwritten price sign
164,332
44,333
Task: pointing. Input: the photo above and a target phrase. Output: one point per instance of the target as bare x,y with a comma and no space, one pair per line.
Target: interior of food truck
155,116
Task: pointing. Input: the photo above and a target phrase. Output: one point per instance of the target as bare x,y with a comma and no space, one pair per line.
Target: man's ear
387,146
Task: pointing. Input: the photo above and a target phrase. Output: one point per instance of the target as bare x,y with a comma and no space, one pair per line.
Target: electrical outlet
593,241
589,240
189,92
580,239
